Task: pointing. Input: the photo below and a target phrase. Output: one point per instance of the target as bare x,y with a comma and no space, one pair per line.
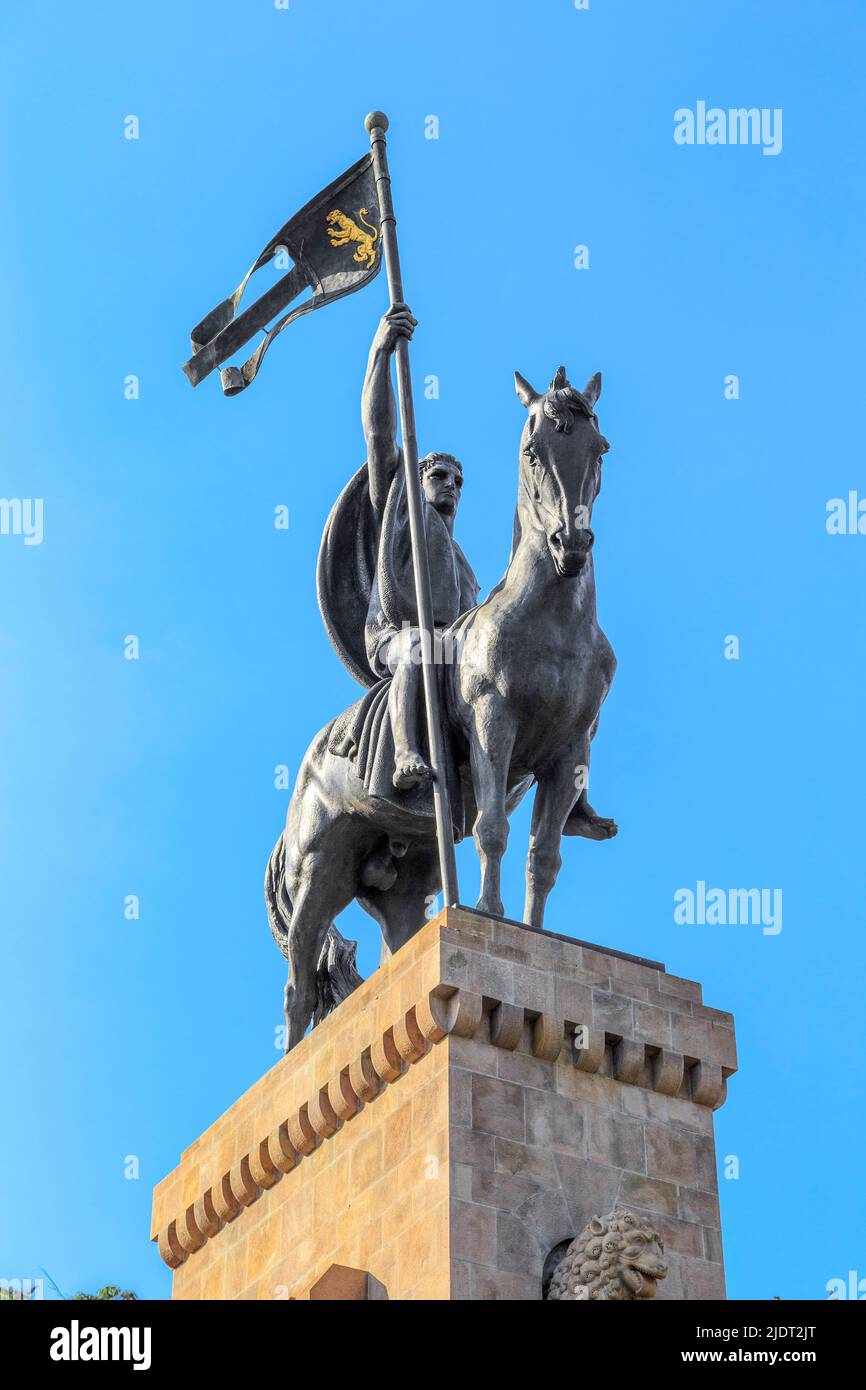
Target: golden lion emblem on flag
343,231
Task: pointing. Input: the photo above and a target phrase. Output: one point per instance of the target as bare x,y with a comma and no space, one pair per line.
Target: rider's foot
410,769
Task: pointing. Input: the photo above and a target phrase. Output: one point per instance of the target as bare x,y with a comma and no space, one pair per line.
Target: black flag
336,245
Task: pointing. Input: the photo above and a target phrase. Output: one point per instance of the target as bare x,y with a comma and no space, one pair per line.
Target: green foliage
106,1295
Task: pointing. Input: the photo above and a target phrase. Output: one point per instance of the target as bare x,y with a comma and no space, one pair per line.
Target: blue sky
156,777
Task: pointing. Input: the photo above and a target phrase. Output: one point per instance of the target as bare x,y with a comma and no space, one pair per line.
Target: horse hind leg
402,909
320,893
317,896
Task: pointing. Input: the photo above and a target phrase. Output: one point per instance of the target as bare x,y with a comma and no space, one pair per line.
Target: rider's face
442,483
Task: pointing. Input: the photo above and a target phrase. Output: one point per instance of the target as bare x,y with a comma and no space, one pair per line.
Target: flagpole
376,124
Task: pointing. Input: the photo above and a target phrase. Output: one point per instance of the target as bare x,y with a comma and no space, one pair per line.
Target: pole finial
376,118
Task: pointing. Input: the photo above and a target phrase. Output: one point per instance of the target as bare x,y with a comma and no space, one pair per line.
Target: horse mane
562,400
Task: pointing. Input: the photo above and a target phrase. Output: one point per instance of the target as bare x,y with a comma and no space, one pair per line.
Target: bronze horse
522,703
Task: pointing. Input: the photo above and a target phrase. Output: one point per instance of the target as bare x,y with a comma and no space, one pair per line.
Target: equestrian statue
521,678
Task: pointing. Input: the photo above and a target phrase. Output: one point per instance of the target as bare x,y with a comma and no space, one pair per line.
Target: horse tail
277,899
336,973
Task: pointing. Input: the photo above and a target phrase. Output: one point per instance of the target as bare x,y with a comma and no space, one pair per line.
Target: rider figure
391,650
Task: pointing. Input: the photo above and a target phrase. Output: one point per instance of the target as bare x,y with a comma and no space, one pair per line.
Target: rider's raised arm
378,407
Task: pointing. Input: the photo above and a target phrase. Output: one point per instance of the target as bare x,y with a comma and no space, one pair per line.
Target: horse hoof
492,908
602,828
591,827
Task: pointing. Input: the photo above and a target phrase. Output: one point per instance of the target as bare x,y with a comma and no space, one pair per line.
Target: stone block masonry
464,1112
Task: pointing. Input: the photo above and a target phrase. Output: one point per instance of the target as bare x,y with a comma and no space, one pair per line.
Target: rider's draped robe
367,595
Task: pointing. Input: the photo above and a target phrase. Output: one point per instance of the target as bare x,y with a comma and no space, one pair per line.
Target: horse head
561,449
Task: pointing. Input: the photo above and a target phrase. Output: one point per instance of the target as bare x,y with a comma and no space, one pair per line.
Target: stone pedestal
467,1110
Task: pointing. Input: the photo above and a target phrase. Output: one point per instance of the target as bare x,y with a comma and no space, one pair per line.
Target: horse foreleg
554,797
491,742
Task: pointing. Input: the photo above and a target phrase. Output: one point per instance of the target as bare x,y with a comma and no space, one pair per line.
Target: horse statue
521,702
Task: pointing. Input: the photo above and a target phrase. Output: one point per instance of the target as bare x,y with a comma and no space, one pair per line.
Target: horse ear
526,393
592,389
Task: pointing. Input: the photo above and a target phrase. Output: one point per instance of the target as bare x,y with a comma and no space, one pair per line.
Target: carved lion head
615,1257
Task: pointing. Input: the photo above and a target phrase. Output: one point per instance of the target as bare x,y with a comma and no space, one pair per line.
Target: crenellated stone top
462,975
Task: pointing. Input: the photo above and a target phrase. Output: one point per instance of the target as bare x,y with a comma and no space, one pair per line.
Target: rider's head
442,479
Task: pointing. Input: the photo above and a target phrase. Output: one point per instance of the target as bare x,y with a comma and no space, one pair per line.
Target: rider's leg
404,700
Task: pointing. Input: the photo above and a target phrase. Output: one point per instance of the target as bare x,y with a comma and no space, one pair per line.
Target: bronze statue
521,696
392,635
512,687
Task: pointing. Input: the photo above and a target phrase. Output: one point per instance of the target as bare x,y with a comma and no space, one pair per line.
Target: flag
335,243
